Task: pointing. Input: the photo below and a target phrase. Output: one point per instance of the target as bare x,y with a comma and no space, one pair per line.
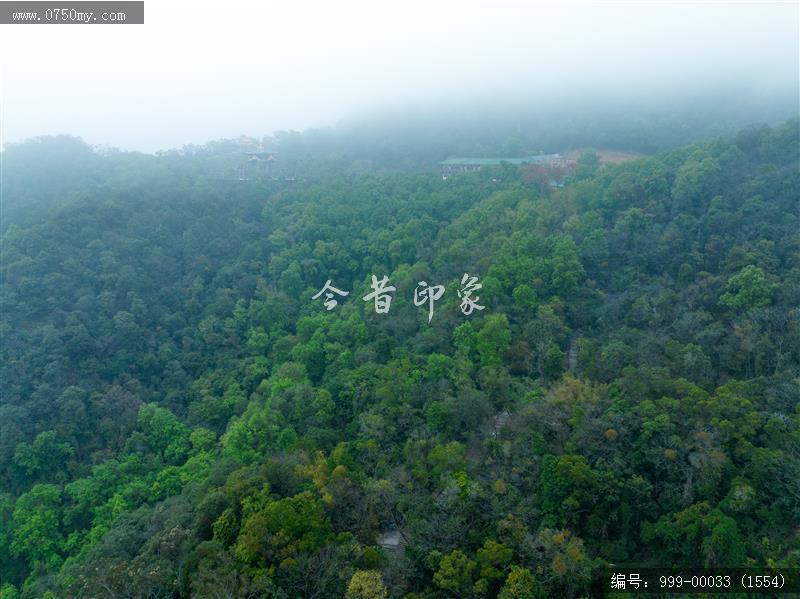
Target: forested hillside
179,418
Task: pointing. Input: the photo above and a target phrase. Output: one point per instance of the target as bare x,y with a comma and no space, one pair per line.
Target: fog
198,71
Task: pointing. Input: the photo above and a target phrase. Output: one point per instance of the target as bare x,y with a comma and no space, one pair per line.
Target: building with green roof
455,165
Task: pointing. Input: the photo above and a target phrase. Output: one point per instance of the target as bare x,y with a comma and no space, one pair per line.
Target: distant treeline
51,169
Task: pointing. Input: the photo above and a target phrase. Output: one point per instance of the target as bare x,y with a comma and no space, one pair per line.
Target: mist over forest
471,300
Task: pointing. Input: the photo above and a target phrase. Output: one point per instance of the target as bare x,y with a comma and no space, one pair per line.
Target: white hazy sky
203,70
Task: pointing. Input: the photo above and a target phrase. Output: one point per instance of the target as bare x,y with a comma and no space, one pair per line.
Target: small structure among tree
391,540
258,160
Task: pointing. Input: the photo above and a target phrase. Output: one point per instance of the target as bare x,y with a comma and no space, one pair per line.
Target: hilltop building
452,166
258,161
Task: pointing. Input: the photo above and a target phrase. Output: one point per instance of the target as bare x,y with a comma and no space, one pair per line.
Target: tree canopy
179,417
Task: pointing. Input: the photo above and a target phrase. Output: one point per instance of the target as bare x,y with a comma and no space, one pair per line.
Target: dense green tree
749,288
521,584
179,418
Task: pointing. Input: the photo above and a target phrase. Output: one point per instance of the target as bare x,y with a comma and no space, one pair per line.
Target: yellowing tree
366,584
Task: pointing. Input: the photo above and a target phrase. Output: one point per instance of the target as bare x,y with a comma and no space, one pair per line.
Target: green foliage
161,432
493,340
747,289
44,457
36,525
455,573
179,418
8,591
696,177
493,561
282,529
521,584
366,584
